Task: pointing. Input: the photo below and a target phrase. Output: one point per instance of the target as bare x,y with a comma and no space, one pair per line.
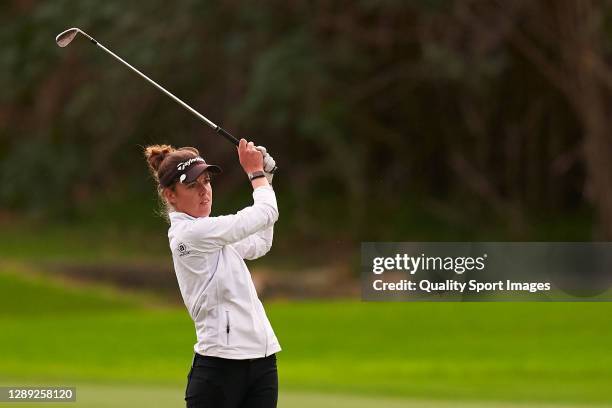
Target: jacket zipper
227,327
266,332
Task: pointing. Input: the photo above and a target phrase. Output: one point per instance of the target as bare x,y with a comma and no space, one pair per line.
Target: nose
202,187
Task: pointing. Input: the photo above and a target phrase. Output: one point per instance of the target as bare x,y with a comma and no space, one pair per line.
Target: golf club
64,38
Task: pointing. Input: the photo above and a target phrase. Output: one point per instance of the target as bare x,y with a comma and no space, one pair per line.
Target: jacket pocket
227,327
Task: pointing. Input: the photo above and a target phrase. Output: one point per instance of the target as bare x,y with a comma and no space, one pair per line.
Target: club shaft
197,114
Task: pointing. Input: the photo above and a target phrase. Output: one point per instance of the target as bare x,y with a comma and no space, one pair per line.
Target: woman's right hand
250,158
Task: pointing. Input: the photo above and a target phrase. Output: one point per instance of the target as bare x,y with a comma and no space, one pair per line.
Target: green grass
26,294
30,242
515,352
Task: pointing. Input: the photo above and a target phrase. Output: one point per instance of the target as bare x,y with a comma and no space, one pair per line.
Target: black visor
188,171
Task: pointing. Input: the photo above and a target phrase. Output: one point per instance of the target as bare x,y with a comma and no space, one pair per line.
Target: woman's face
194,199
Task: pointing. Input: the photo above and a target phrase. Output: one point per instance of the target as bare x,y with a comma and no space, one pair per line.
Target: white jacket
215,282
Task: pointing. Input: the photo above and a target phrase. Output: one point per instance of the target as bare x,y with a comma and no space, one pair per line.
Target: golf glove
268,163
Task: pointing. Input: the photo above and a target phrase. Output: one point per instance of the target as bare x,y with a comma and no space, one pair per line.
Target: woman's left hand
269,163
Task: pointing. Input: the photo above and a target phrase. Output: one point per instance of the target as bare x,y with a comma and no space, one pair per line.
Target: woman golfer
234,363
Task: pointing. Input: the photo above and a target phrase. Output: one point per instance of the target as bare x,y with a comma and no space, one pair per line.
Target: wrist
256,174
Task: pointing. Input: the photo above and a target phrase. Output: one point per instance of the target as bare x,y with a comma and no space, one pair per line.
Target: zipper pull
227,327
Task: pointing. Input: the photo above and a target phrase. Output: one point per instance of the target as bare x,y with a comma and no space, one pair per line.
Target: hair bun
156,154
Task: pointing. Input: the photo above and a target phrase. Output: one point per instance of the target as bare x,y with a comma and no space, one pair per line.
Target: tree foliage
471,107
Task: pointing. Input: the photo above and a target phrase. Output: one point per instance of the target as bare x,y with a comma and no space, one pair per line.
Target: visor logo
183,165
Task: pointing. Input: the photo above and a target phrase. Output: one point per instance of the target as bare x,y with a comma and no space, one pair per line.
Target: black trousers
215,382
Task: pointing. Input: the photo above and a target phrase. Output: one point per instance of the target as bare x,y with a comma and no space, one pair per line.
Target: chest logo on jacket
182,249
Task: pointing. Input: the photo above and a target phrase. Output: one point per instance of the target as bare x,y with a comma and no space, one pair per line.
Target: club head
64,38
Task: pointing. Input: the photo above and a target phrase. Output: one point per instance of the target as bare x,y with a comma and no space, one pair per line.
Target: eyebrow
207,178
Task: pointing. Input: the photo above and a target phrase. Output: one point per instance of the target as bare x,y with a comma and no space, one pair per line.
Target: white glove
268,163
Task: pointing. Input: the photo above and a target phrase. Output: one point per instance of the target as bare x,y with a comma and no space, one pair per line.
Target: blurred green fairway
122,350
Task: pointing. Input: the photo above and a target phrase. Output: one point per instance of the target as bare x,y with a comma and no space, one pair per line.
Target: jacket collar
179,216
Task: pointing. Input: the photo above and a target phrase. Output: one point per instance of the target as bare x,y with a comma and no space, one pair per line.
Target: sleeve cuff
262,188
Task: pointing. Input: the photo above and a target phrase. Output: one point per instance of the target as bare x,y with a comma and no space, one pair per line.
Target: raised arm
210,233
259,243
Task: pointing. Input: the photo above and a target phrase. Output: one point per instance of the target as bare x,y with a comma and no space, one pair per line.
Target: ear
170,196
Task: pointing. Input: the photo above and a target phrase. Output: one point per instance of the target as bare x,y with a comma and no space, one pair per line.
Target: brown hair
161,159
